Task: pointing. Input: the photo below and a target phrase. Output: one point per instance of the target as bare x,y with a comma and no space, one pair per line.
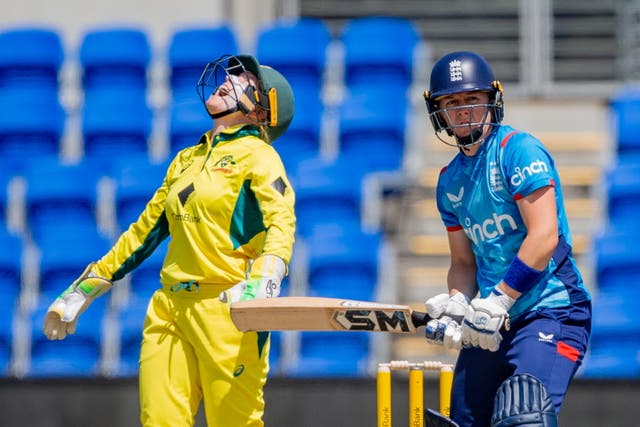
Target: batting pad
522,400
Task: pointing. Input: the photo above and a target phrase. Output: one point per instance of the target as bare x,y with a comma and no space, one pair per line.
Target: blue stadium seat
331,354
372,131
30,60
343,262
31,117
65,252
379,53
136,181
79,355
305,57
612,356
623,202
145,279
617,260
301,141
59,195
190,49
188,120
614,312
116,118
131,320
6,174
615,341
115,125
627,159
115,58
303,63
625,109
30,126
327,192
614,349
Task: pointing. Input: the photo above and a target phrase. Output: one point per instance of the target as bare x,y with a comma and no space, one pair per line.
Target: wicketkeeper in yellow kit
228,207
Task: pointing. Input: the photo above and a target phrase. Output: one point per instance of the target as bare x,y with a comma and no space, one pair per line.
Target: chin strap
222,114
471,139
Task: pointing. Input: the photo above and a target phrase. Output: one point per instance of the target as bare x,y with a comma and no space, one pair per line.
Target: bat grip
419,318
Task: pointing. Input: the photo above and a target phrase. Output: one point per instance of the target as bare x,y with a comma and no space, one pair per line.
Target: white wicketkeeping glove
264,281
484,318
62,315
447,313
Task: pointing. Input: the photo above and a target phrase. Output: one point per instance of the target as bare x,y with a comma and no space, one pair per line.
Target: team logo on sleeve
520,175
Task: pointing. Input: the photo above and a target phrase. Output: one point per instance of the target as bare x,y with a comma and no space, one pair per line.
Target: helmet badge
455,70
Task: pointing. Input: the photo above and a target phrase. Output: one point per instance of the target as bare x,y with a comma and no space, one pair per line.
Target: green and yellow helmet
274,96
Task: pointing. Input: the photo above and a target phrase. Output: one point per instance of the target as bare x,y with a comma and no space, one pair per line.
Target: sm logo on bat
372,320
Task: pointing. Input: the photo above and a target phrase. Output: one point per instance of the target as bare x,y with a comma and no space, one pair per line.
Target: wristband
521,277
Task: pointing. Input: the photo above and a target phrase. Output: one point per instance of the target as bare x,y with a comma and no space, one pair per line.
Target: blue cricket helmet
459,72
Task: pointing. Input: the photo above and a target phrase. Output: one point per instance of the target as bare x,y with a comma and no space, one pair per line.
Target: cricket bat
324,314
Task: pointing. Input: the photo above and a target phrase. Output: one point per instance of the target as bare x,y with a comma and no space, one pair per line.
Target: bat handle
419,318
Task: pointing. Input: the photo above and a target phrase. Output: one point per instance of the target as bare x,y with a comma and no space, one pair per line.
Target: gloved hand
484,318
444,331
453,307
264,281
447,313
62,315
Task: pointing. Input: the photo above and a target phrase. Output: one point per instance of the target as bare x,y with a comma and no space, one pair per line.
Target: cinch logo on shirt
489,228
519,175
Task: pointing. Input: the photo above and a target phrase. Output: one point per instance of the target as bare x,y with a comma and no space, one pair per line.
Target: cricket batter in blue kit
516,305
228,208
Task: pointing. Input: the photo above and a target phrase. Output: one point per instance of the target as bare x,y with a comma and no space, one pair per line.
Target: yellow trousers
191,352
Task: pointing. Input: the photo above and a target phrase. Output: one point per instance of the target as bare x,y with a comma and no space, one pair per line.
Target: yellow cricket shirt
223,202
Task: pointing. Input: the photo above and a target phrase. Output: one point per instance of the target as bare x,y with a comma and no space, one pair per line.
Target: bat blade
324,314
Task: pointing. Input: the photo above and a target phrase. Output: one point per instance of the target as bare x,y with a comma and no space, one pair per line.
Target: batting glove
447,313
264,281
453,307
62,315
445,332
484,318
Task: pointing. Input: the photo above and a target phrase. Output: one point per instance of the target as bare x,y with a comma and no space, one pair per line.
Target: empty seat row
377,50
625,114
117,119
614,349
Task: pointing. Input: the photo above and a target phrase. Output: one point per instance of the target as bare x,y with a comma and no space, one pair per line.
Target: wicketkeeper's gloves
267,272
63,313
